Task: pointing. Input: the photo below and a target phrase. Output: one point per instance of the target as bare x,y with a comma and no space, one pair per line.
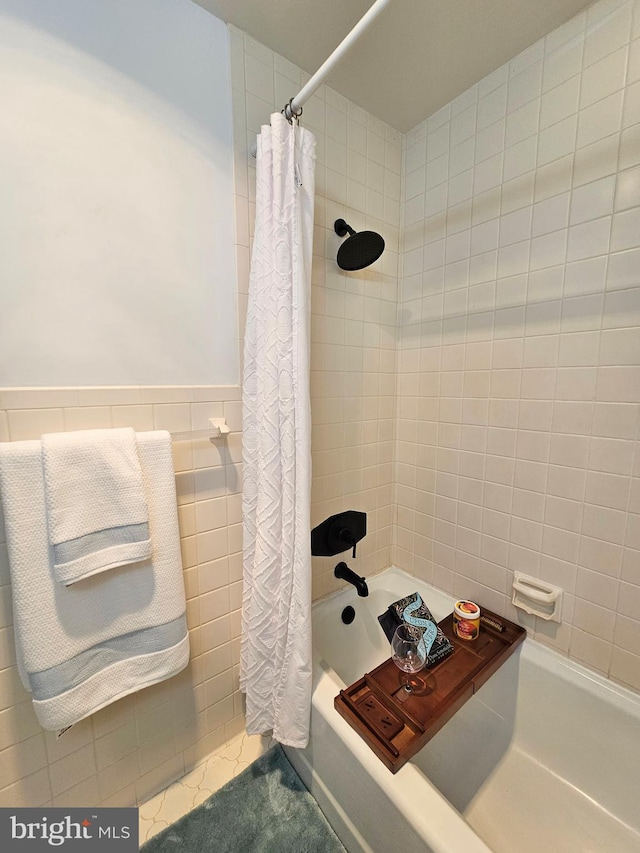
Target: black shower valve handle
348,538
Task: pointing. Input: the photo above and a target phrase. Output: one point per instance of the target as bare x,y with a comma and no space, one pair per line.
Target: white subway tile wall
518,410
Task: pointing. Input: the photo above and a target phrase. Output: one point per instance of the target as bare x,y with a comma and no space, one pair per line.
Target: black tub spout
343,572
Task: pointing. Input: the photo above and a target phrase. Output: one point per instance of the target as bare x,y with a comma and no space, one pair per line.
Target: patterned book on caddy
394,616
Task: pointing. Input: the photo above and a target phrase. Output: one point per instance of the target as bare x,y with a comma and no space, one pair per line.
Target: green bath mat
265,809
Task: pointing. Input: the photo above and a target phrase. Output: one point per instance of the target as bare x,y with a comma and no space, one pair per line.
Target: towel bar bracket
218,428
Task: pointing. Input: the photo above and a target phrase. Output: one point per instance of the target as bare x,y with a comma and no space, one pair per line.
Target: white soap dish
537,597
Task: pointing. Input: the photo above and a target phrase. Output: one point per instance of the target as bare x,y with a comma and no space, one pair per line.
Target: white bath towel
96,505
84,646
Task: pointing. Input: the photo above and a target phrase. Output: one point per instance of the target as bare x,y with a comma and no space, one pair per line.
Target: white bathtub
546,756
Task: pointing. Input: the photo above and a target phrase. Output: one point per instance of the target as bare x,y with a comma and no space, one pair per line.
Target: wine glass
409,653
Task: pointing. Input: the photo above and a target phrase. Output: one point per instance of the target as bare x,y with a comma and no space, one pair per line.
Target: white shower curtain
275,666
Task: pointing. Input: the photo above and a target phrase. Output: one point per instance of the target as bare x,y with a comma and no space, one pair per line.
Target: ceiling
416,57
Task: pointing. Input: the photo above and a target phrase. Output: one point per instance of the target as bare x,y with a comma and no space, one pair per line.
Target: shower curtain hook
289,113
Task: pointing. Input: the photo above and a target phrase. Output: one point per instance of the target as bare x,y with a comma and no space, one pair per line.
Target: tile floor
188,792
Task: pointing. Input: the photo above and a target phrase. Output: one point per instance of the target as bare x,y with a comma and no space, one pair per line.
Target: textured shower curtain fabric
275,665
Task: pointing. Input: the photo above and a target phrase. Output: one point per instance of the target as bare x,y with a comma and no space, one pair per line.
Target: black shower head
360,249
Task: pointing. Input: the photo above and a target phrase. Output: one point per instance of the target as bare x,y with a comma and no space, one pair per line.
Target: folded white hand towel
84,646
96,506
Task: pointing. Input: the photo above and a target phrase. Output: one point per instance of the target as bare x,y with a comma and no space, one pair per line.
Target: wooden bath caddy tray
396,724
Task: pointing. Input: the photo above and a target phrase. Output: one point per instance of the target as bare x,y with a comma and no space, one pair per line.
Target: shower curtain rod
294,106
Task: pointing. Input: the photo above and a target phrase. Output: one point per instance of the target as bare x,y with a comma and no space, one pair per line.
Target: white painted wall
116,174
